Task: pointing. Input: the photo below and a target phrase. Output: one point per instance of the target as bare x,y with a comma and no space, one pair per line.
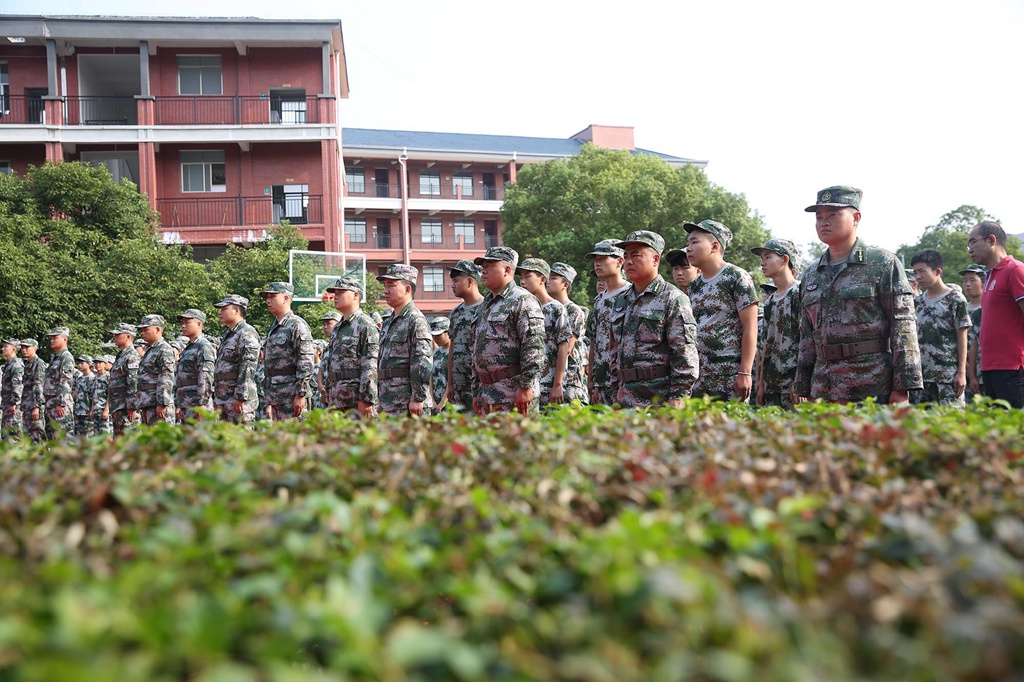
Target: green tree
79,250
558,210
949,237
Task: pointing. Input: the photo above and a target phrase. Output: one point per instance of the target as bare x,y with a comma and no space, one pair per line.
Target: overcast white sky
917,103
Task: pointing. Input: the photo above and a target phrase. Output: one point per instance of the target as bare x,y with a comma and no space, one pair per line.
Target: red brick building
227,125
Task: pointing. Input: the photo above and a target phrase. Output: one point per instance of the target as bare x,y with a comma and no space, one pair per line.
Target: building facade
429,199
227,125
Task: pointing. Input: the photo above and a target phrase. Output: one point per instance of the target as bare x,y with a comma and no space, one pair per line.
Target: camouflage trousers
280,413
227,413
101,425
781,399
10,424
939,393
190,413
149,415
34,428
717,384
121,424
59,427
83,425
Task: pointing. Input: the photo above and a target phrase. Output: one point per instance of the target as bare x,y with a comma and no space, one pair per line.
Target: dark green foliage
710,543
558,210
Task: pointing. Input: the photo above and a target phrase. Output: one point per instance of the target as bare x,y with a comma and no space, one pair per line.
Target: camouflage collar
506,290
856,254
655,286
405,310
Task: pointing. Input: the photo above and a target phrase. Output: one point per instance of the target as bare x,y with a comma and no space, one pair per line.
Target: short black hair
990,228
929,257
679,260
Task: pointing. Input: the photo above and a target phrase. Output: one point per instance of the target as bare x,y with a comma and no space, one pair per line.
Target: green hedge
715,542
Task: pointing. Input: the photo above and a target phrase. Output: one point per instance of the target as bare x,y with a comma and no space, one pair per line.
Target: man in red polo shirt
1002,319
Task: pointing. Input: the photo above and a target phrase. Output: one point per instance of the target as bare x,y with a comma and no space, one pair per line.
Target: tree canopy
949,237
558,210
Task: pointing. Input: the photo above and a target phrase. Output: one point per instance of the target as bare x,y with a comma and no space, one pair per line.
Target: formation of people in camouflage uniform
848,328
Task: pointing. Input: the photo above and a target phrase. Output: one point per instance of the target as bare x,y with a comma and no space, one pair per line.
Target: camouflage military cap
564,270
60,331
124,328
909,273
319,344
716,229
678,257
108,345
606,247
177,345
502,253
331,315
278,288
193,314
233,299
346,283
400,272
466,267
769,288
140,343
535,265
782,247
152,321
651,239
839,195
109,359
85,358
975,269
375,316
31,343
439,325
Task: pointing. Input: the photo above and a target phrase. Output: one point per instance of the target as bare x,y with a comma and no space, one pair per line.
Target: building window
5,167
199,75
355,178
463,179
203,172
465,230
430,231
5,85
355,228
433,279
430,183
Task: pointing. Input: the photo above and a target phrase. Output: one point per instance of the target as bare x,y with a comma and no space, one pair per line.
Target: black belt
394,373
281,372
488,378
181,386
224,376
346,375
841,351
643,374
148,384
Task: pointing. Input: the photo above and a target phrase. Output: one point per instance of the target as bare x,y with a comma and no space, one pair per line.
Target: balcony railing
101,111
445,242
491,240
394,191
441,295
24,110
236,110
373,241
298,209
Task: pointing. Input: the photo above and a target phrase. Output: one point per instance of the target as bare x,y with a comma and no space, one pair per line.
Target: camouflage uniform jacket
57,382
556,332
193,377
83,394
937,323
509,338
406,347
100,394
287,360
234,372
972,337
124,380
780,346
156,377
867,300
13,383
350,370
440,374
574,382
655,332
716,305
462,323
604,374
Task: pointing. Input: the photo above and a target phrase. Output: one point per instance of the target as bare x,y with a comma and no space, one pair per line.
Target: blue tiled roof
469,142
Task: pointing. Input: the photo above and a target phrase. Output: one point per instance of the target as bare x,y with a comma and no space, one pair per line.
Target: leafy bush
712,542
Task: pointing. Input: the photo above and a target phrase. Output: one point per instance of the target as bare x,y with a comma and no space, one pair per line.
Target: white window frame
434,237
430,183
463,179
433,279
220,74
466,229
355,228
353,173
208,166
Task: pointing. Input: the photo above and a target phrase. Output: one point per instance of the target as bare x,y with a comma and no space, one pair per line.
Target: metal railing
394,191
491,240
441,295
298,209
444,242
24,110
101,111
236,110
